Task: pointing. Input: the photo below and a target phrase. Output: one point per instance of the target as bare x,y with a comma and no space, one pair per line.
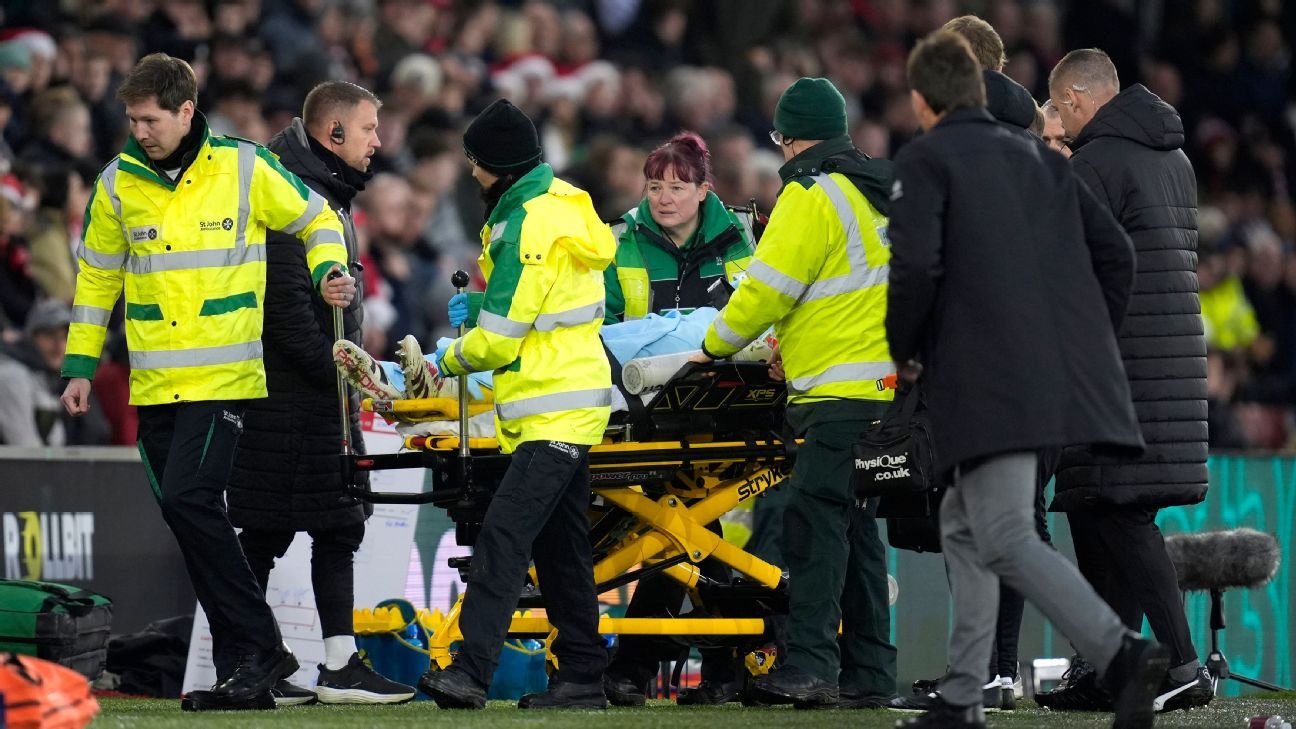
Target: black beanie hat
502,139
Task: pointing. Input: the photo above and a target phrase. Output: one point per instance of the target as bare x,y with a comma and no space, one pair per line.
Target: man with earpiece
286,477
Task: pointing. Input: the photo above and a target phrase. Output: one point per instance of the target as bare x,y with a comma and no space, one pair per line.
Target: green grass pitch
163,714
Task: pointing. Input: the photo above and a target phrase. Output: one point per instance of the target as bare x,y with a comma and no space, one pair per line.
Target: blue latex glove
458,309
438,359
440,354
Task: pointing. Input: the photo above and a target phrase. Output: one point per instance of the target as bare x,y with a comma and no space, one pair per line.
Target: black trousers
188,451
1012,605
1123,555
332,569
538,511
638,657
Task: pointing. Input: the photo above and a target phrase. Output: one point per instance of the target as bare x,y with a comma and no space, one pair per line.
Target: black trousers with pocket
188,451
538,512
332,569
1123,555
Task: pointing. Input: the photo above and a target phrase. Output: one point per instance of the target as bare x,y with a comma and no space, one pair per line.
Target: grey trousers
988,529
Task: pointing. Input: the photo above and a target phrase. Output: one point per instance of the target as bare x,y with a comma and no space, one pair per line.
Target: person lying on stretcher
666,338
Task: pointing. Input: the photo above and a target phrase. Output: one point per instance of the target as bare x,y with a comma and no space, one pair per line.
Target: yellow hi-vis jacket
820,278
192,259
543,254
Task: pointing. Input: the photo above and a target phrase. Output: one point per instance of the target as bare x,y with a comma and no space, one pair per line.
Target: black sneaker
1078,691
791,685
623,692
287,694
358,683
710,693
212,701
925,686
453,689
567,695
1133,677
847,699
941,715
256,673
1173,695
913,704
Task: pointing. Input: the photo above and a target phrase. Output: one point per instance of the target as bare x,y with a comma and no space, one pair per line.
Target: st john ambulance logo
227,223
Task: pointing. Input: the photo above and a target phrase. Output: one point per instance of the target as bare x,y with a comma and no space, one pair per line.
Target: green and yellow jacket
820,278
191,258
543,254
652,274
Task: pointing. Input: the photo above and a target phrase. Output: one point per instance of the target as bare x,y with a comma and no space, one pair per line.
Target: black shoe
913,704
452,689
567,695
622,691
710,693
1173,695
940,715
925,686
256,673
212,701
358,683
288,694
847,699
791,685
1078,691
1133,678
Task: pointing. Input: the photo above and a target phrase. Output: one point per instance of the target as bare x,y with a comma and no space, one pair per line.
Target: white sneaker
421,379
1014,683
363,371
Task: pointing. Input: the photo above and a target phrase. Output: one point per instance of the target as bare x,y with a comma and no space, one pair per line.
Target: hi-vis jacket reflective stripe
722,246
543,254
820,277
192,259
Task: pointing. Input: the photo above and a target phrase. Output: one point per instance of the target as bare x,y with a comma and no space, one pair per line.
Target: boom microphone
1221,560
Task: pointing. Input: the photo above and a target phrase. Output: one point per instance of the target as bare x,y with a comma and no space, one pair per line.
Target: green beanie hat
811,108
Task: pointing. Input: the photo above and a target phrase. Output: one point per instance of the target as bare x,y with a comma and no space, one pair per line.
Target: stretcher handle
460,281
344,399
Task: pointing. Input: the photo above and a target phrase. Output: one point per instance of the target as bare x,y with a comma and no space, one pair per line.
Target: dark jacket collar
872,177
533,183
1008,101
137,162
1138,115
966,115
318,167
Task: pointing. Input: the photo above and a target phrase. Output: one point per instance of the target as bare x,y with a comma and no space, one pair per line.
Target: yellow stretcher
707,442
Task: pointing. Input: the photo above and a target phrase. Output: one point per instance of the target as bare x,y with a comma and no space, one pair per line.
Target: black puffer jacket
1130,154
287,474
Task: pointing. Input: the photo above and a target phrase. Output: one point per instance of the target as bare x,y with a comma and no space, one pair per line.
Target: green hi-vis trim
226,304
143,312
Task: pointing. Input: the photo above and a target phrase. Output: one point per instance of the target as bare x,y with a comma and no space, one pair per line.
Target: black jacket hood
1008,101
294,149
1138,115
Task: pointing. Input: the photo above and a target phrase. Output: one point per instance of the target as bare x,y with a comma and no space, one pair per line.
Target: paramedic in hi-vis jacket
179,219
820,278
543,254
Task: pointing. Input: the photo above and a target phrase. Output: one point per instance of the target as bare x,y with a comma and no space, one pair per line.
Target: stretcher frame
667,491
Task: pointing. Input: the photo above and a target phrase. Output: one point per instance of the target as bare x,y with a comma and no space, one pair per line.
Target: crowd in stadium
607,80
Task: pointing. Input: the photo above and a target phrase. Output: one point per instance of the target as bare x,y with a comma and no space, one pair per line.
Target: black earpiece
337,133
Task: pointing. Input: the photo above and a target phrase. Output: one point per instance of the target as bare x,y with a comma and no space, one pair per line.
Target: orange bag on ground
40,694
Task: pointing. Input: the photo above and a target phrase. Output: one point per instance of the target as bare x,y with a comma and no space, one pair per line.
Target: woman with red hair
681,248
